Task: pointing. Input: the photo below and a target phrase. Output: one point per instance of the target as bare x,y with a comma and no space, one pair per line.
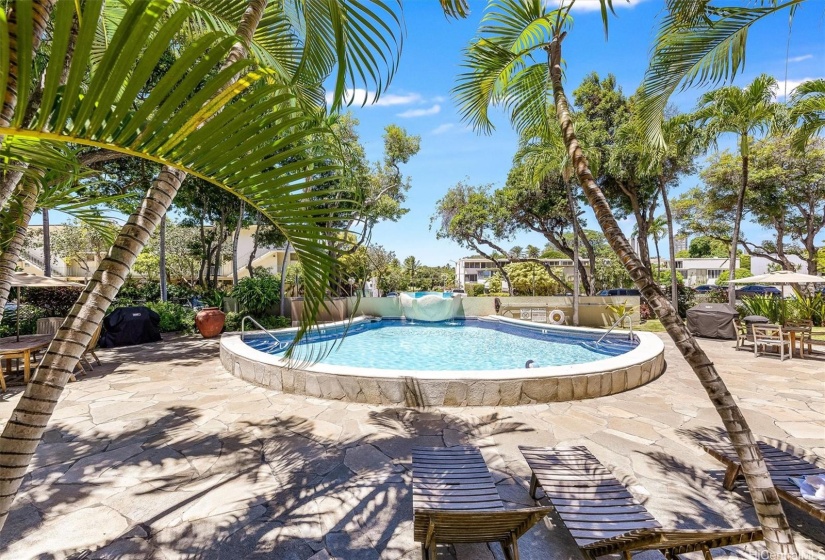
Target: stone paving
161,454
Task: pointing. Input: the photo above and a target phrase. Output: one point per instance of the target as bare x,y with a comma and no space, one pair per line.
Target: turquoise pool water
457,346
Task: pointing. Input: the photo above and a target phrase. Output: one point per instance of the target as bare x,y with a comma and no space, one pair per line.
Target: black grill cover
712,320
130,325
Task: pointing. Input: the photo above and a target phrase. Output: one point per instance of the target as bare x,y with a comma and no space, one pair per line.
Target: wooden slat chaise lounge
781,466
604,518
455,501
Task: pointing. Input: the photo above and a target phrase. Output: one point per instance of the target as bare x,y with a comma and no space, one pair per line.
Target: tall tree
742,112
503,69
469,216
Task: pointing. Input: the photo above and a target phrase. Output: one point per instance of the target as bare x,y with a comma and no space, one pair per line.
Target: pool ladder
280,345
615,323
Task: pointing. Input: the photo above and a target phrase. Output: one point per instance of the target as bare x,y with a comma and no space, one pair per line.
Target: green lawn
651,325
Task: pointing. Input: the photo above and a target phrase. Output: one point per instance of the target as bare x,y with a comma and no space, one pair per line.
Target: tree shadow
277,486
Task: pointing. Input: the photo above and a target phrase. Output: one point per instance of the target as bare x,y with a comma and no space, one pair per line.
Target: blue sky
419,100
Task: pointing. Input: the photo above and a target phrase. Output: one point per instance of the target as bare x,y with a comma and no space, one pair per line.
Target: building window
679,264
714,273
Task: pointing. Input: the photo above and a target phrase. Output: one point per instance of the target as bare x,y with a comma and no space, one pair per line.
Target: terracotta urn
209,321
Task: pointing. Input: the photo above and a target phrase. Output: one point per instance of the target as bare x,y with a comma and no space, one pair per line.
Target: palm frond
808,107
507,65
249,137
696,47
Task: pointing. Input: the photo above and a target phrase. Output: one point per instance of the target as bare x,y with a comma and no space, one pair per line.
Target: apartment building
478,270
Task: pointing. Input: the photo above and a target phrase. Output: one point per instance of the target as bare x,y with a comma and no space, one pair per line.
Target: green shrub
232,322
55,302
29,315
174,317
774,308
745,262
275,322
474,290
258,295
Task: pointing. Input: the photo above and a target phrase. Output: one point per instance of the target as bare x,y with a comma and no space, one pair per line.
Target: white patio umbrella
27,280
780,277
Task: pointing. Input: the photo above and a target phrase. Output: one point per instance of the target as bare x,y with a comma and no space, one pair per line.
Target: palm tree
739,111
505,66
808,107
261,152
656,229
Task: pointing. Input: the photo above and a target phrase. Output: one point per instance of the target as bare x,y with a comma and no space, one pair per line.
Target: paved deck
161,454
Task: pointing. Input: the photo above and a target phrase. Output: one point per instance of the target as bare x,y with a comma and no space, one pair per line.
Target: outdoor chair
781,466
771,336
49,325
604,518
804,331
456,501
90,349
744,337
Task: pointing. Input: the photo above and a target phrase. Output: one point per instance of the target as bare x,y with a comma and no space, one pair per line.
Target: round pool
456,363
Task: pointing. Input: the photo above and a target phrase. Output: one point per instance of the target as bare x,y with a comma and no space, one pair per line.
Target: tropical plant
769,306
258,295
808,107
739,274
621,311
742,112
505,66
208,116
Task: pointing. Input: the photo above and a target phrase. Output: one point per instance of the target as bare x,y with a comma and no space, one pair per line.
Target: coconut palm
697,44
519,44
743,112
657,229
241,130
808,107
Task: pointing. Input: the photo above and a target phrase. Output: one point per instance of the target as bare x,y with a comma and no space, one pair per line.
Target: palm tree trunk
284,265
47,244
235,236
777,532
40,12
30,417
255,239
671,241
27,200
164,295
574,220
737,222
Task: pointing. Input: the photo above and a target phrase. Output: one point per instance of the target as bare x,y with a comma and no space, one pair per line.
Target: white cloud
595,5
391,99
439,99
800,58
789,86
442,128
360,96
411,113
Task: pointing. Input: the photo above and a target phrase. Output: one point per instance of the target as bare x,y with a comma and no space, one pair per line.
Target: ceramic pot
209,321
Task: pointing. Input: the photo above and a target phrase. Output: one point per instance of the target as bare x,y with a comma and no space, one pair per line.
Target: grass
651,325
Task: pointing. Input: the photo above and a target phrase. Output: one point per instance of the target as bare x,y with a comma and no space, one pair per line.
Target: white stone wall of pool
599,378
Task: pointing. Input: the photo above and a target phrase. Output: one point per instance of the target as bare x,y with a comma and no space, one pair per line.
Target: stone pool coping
449,388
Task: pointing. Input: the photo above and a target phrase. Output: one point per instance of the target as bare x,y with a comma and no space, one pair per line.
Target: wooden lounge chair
456,501
604,518
781,466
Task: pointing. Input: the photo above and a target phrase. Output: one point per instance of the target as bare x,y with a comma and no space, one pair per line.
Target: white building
763,265
699,271
478,270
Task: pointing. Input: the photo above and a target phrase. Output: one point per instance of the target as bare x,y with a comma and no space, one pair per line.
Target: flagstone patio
161,454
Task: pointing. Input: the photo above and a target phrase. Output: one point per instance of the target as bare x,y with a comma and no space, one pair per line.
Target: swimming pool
452,346
478,362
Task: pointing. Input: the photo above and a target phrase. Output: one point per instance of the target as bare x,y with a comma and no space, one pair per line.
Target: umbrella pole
18,313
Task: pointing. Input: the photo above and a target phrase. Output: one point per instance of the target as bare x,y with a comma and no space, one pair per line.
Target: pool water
457,346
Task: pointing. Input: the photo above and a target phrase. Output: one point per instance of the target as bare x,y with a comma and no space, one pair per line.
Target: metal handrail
257,324
616,322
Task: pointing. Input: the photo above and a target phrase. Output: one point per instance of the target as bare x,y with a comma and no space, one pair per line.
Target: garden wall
593,310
